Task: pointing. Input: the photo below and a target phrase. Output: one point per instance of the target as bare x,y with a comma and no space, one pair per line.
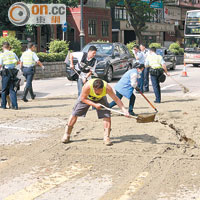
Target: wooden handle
116,111
148,101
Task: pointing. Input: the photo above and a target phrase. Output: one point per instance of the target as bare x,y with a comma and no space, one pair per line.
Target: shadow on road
178,100
45,106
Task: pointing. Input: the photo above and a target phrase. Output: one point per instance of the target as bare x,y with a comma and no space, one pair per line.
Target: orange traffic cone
184,73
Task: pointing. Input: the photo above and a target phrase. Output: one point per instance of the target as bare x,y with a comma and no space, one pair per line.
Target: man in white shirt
85,66
145,52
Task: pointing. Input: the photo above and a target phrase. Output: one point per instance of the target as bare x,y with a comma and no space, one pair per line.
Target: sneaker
132,113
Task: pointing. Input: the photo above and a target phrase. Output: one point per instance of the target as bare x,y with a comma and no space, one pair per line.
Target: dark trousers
8,88
28,73
156,87
141,81
146,79
131,101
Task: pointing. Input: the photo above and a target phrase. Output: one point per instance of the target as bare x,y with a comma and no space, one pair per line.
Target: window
105,26
120,14
92,27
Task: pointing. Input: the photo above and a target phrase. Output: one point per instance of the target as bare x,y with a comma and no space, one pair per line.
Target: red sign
5,33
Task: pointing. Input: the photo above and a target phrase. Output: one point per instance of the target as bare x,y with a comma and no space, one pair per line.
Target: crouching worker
93,94
125,86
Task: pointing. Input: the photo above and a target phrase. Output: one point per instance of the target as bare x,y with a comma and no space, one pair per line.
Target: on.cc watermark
20,14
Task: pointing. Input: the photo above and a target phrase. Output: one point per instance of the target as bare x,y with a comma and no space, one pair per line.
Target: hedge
51,57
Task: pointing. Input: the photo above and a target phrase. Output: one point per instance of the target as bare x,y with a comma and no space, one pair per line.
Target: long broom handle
177,82
116,111
148,101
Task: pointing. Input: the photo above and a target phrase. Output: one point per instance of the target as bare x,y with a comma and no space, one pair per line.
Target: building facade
165,27
96,21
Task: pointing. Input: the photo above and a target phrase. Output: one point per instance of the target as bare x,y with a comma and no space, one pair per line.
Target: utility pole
82,35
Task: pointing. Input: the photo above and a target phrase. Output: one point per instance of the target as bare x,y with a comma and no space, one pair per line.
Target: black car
169,58
113,60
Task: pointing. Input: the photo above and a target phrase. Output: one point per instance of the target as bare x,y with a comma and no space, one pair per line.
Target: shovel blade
145,118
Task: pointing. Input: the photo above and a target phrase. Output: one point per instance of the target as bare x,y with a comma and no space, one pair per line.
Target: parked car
19,75
114,59
169,58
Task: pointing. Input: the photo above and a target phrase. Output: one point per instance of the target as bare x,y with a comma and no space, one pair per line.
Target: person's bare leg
107,129
68,128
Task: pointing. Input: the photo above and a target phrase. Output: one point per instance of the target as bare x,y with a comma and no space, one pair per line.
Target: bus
192,38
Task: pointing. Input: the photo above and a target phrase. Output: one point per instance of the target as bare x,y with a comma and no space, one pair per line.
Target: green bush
130,46
51,57
14,43
156,45
175,48
58,46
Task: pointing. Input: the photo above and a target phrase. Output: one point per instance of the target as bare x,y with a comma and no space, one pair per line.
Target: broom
185,89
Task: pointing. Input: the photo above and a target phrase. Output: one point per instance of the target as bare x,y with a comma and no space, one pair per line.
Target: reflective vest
8,58
155,61
27,57
93,96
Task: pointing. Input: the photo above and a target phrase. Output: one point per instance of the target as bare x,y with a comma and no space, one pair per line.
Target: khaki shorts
80,108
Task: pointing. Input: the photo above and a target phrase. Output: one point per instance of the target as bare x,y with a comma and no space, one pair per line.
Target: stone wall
52,69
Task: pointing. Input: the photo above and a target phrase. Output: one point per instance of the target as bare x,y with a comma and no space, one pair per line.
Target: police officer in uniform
85,66
157,66
8,61
28,60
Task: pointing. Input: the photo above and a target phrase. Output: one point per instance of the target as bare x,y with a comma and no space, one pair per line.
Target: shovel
147,100
142,118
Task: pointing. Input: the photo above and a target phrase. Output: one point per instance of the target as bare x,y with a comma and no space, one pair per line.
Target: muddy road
147,161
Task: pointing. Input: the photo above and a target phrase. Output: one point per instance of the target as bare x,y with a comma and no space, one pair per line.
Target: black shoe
24,99
132,113
15,108
33,97
146,90
156,101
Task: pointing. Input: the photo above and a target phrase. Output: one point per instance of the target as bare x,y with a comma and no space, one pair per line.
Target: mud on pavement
147,161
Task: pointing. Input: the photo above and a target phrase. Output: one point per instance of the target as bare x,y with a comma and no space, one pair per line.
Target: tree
139,13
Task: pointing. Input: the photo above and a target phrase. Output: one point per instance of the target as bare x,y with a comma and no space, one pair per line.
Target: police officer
8,61
126,85
157,66
139,56
28,60
85,66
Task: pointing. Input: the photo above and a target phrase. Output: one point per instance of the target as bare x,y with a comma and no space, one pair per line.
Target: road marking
134,186
47,183
16,128
168,86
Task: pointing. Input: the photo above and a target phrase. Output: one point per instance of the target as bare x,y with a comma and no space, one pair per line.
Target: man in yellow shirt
93,94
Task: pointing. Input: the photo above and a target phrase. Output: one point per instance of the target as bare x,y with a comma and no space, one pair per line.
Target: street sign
64,27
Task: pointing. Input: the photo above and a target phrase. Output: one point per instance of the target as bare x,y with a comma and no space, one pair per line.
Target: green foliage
140,12
130,46
58,46
156,45
14,43
51,57
175,48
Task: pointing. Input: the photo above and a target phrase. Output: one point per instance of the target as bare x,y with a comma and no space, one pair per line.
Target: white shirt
79,56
